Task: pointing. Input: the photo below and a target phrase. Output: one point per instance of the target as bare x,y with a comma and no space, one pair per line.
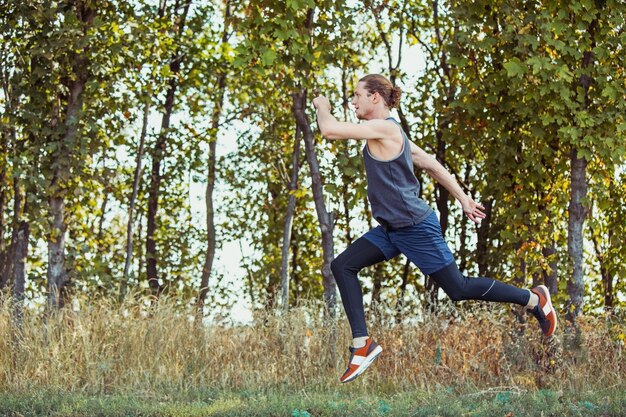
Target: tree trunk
405,281
19,269
57,274
550,276
608,289
345,189
295,276
607,279
160,150
577,214
154,191
7,139
19,244
4,184
482,246
443,196
346,181
463,251
133,199
103,211
211,175
6,273
577,210
324,217
291,209
377,283
250,281
7,270
210,211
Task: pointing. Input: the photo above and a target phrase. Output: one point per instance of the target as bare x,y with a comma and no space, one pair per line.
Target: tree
287,230
222,68
532,68
295,56
177,12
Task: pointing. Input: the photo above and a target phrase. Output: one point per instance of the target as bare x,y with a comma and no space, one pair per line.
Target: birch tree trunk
577,209
577,214
62,161
324,217
291,209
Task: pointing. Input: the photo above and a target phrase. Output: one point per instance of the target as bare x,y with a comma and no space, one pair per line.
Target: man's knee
456,294
343,265
337,266
452,282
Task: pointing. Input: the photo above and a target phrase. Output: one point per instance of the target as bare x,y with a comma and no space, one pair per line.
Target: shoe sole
546,293
366,363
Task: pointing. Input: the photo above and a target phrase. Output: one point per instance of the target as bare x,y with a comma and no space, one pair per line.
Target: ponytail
394,97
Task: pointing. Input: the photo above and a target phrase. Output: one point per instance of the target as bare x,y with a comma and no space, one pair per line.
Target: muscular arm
331,128
429,163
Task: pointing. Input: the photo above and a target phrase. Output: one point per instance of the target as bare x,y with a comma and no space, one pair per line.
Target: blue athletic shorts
421,243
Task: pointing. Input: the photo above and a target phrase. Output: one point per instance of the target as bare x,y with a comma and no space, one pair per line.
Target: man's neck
379,114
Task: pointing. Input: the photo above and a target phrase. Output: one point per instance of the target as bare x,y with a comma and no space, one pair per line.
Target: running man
407,224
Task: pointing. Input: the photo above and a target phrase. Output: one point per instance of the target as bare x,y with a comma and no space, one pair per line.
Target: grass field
140,360
503,402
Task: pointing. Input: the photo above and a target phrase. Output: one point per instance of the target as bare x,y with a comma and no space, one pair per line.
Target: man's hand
473,210
320,102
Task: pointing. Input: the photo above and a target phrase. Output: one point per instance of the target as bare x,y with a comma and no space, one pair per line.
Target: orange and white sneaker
544,311
360,359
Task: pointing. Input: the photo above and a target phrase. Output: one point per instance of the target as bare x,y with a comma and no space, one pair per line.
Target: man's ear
376,97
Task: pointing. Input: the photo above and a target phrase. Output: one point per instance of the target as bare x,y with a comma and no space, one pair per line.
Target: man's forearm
324,120
443,177
434,168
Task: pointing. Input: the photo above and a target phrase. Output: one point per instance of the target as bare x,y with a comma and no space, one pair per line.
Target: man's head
374,93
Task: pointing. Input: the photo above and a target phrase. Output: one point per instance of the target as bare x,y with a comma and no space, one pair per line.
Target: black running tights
362,253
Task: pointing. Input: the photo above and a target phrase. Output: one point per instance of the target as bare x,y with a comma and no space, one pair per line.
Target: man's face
362,102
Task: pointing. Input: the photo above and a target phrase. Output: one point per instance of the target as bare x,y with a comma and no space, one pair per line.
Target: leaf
584,153
609,92
268,57
458,61
565,73
558,26
515,68
537,131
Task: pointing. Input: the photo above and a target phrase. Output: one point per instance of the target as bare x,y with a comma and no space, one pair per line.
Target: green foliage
522,98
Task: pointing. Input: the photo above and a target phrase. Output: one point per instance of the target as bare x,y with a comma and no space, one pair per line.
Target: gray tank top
393,190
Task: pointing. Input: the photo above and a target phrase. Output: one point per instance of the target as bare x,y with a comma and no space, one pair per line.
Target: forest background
114,112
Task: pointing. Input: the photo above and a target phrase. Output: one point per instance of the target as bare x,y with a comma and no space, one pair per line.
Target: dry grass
147,351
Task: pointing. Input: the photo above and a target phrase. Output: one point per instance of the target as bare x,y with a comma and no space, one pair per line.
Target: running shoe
544,311
360,359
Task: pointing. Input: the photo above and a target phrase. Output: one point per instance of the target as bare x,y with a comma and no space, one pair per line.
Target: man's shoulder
391,129
387,125
388,131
